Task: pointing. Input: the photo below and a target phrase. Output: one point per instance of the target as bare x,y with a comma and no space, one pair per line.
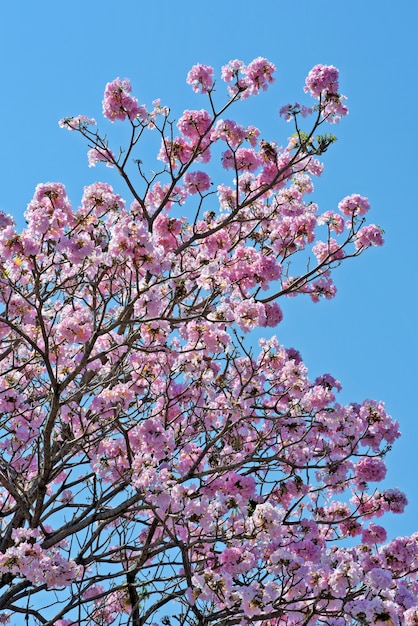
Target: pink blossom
249,315
373,534
322,78
334,108
370,469
334,221
255,77
118,104
367,236
100,155
322,288
234,561
395,500
194,124
230,132
242,159
259,74
328,250
273,314
5,220
404,596
67,496
328,381
80,122
411,616
201,78
313,166
230,71
166,231
196,182
175,152
354,205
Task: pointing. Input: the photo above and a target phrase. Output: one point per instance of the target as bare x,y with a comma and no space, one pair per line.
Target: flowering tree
155,469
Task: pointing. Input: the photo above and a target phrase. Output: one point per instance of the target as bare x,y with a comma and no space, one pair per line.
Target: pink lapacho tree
154,468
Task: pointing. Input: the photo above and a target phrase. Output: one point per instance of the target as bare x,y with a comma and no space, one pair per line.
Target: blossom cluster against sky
57,57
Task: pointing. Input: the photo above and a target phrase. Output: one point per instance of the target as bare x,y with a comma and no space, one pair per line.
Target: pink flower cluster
27,559
322,78
373,534
194,143
196,182
354,205
79,122
233,134
370,469
118,104
194,124
100,155
248,79
201,78
322,83
367,236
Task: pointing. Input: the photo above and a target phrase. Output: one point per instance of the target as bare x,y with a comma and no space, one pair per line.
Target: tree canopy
156,467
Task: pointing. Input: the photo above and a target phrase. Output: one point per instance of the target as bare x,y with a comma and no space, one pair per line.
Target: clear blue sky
56,58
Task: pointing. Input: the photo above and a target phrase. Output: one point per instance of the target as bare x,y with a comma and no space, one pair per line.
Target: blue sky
56,58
